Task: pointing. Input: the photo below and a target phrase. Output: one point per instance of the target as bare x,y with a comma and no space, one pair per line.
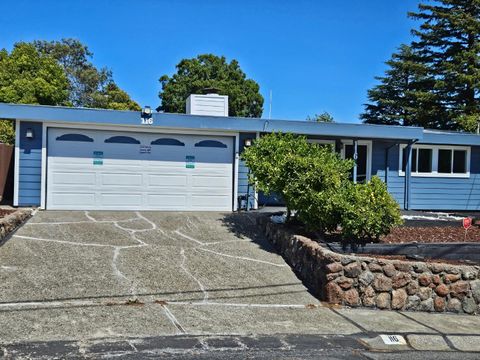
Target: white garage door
104,170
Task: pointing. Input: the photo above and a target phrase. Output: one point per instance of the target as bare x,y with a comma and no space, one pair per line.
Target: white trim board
236,154
136,128
16,170
43,178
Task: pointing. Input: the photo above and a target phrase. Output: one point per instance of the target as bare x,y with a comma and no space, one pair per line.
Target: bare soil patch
433,234
5,212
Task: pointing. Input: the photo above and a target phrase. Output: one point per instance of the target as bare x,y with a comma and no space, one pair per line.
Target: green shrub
308,176
368,211
7,132
314,181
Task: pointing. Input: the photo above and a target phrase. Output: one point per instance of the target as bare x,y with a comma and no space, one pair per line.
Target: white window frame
434,172
321,141
368,143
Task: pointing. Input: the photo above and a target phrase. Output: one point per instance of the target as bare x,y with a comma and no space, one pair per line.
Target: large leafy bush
314,182
308,176
368,211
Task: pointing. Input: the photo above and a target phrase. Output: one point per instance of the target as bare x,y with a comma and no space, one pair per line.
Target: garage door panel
121,178
210,201
121,199
73,178
209,182
67,200
167,180
160,176
165,166
167,201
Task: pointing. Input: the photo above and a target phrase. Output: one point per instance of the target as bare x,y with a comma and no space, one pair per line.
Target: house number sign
147,121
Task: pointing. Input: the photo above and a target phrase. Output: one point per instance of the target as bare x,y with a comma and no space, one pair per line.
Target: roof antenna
270,106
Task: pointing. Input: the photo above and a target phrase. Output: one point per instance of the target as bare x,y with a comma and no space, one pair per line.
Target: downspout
408,175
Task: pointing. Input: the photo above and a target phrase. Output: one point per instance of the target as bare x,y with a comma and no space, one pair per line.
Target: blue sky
314,56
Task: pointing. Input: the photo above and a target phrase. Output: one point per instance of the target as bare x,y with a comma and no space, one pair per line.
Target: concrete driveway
90,282
68,271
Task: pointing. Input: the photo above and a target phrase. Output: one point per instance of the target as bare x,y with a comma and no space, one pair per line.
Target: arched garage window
167,141
74,137
210,144
122,140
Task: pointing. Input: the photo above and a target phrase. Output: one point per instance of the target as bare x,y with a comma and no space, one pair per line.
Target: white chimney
209,104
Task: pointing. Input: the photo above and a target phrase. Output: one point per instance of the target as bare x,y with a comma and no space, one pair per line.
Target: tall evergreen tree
449,43
442,87
401,97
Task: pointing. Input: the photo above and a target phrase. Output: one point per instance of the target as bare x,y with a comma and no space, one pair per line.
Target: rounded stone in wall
383,300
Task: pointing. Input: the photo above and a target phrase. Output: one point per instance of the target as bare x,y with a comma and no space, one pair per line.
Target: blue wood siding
30,165
429,193
395,183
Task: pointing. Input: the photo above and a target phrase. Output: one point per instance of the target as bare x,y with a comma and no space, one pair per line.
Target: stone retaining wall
10,222
372,282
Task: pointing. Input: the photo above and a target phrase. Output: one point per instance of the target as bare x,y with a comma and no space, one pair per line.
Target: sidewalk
67,328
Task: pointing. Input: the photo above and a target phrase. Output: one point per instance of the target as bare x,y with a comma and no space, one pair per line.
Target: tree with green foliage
56,73
194,76
29,77
89,86
323,117
443,67
402,97
112,97
7,132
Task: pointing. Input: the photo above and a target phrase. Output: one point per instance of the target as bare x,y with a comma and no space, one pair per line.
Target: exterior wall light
147,112
29,134
248,142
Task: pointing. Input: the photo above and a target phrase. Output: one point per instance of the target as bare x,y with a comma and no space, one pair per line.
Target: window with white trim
437,161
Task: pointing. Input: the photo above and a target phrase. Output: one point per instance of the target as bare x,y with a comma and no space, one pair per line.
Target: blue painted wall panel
395,183
430,193
30,165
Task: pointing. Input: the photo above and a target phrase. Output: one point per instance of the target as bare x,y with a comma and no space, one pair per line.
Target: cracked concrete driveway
104,284
68,274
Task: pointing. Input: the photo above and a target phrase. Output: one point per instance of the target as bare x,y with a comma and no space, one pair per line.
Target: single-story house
91,159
